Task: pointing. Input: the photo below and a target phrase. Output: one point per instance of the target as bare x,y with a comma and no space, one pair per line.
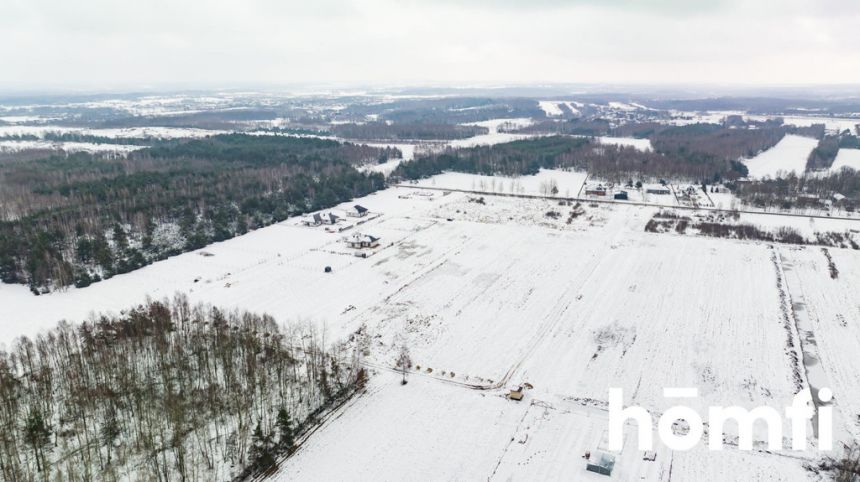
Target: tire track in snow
789,320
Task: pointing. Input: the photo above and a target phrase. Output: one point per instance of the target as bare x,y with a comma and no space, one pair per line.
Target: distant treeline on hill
81,218
729,141
385,131
610,162
165,391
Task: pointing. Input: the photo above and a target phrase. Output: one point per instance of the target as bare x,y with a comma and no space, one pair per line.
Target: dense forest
703,142
698,143
165,391
614,163
76,219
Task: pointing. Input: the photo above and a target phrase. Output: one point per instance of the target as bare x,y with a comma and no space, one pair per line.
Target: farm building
661,190
331,218
621,196
361,241
600,462
314,220
358,211
595,191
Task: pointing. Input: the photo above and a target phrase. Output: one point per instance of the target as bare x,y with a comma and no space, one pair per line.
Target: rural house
361,241
358,211
595,191
314,220
661,190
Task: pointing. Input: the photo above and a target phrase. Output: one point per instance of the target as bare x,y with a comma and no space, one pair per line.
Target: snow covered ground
550,108
831,124
624,106
118,133
789,155
494,136
386,168
566,183
641,144
15,146
846,158
502,291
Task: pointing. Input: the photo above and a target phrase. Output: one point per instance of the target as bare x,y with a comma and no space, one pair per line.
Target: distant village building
358,211
595,191
621,195
362,241
660,190
806,199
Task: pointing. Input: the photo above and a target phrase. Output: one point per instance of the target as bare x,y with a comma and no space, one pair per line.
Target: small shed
621,195
516,394
600,462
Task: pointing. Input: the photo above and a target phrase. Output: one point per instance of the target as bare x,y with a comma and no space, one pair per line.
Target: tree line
165,391
795,190
80,218
397,131
608,162
825,152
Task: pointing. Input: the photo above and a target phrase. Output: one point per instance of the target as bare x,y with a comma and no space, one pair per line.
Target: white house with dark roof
362,241
358,211
314,220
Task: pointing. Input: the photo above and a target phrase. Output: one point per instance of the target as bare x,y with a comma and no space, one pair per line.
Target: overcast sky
137,43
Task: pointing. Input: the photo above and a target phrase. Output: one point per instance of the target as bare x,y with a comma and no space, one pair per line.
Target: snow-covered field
494,136
118,133
566,183
15,146
846,158
550,107
831,124
789,155
504,291
641,144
